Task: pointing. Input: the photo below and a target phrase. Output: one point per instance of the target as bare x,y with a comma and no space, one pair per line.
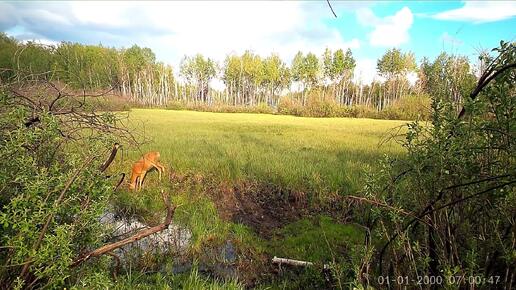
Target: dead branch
117,264
138,236
106,164
120,182
430,208
40,96
291,262
380,204
331,8
493,70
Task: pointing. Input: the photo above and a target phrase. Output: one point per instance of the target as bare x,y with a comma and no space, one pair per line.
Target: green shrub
38,165
261,108
176,105
319,107
408,108
448,207
112,103
289,106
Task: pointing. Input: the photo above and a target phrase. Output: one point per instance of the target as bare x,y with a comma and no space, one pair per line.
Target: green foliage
394,63
305,69
342,64
323,241
198,71
412,107
133,72
319,107
190,281
276,74
137,58
251,80
449,77
462,171
8,46
196,281
85,66
290,106
261,108
310,69
320,239
35,169
235,146
298,67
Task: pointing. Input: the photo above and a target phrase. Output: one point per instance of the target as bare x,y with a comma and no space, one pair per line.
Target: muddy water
173,241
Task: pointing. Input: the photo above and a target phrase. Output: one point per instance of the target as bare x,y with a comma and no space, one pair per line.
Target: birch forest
249,79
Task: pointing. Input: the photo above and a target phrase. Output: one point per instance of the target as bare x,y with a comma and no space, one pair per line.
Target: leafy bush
408,108
51,196
112,103
449,207
317,106
289,106
261,108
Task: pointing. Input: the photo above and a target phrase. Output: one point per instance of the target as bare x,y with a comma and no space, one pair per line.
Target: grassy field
315,156
299,153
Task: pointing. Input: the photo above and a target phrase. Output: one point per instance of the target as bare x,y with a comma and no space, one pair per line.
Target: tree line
249,78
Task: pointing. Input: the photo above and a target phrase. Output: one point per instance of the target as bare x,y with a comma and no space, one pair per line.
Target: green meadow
314,154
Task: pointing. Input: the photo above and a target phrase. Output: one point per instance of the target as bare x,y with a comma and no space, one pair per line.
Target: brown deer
149,161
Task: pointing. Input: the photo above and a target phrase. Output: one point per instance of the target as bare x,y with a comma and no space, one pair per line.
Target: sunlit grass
300,153
316,156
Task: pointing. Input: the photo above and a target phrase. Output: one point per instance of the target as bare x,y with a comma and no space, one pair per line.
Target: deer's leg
136,183
140,180
161,169
143,178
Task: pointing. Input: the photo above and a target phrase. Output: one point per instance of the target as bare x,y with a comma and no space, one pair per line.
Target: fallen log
291,262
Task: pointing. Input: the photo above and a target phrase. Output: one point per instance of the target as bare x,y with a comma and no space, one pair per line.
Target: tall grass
316,155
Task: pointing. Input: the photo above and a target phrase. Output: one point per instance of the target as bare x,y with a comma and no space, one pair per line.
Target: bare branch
331,8
106,164
117,265
489,75
291,262
120,182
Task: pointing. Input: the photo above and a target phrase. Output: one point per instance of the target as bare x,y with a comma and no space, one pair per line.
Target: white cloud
172,28
263,27
365,71
480,11
43,41
105,13
412,78
388,31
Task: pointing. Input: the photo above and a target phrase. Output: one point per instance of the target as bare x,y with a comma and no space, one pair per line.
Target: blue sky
174,29
429,35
